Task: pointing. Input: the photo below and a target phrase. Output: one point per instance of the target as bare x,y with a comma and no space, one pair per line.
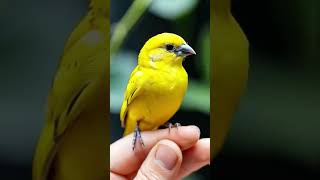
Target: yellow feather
73,143
229,70
132,91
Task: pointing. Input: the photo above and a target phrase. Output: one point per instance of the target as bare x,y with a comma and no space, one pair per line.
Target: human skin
165,155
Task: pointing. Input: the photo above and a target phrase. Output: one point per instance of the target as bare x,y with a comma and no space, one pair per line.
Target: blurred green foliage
121,66
172,10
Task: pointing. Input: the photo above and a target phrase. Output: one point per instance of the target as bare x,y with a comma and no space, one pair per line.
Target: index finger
124,161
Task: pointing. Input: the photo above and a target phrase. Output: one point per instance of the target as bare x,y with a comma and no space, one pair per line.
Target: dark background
32,37
276,131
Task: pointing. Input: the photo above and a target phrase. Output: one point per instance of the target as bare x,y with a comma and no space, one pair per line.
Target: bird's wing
133,90
75,88
98,8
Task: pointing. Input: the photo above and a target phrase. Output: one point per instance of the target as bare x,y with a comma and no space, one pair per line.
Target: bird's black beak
185,50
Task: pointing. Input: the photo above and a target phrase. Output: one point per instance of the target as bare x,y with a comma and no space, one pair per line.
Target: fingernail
166,157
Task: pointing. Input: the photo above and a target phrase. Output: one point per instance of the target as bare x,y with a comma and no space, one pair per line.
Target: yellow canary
73,144
229,69
157,85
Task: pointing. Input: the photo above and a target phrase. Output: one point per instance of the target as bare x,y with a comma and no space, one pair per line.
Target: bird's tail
43,154
129,127
127,131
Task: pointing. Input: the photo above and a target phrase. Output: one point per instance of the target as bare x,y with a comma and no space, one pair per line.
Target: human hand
166,155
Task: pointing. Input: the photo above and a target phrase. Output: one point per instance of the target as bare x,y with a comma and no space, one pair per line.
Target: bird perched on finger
156,86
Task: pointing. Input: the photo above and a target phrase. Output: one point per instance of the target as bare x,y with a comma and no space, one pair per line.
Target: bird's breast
163,95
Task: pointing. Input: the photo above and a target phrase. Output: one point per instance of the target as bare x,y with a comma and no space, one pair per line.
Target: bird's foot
137,135
170,125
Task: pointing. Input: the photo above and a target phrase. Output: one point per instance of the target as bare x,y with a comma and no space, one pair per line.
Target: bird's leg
168,125
134,139
137,134
177,125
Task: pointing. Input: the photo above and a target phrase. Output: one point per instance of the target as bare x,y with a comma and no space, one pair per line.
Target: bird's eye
169,47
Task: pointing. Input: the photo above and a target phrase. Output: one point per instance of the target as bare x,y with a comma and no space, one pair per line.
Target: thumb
163,162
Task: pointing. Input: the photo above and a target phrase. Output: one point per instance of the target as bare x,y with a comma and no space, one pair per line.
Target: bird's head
163,50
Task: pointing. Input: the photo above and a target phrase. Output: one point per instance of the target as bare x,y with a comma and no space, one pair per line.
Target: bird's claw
137,135
170,125
177,125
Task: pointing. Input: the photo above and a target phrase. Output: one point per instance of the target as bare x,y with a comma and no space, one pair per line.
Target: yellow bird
74,141
230,66
156,86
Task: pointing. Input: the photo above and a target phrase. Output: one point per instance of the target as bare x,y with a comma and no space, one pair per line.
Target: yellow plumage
157,85
73,144
229,69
